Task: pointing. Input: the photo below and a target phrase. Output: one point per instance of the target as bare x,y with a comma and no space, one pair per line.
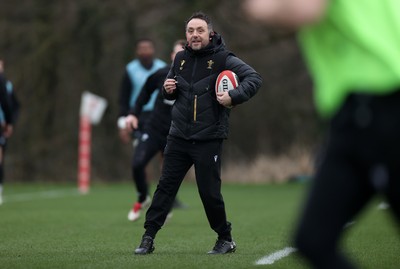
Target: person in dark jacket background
199,125
154,132
136,73
8,113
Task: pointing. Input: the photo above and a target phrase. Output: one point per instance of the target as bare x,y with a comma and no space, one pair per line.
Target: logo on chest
210,64
182,63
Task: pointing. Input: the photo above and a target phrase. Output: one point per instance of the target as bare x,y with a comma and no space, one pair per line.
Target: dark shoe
223,247
146,246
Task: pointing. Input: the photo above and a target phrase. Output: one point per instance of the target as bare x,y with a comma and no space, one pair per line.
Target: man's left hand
224,99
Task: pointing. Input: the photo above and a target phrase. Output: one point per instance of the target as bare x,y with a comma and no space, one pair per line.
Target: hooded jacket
196,114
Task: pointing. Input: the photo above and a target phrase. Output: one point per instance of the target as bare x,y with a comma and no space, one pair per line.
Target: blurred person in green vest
352,50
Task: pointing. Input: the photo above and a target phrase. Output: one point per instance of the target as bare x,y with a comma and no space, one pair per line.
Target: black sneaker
146,246
223,247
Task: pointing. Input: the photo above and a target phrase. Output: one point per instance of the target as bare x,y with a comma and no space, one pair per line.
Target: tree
55,50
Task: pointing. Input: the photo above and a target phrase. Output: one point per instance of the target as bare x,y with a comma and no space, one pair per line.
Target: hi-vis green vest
355,48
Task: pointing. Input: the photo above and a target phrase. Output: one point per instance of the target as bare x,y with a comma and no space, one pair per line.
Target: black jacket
196,114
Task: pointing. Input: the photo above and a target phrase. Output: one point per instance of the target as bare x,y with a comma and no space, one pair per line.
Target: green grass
91,231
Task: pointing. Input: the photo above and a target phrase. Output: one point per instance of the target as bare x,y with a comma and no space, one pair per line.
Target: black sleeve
152,84
125,95
250,80
171,74
4,101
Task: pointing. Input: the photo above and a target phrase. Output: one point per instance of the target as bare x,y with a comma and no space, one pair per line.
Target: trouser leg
339,190
335,198
144,152
362,158
393,195
175,166
207,162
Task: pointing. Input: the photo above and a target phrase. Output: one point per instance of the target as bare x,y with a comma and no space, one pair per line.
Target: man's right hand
170,85
132,123
124,130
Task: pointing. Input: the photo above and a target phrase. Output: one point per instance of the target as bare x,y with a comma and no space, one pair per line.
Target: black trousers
179,156
361,158
150,143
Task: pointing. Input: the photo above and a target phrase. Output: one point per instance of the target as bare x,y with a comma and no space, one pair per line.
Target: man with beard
199,125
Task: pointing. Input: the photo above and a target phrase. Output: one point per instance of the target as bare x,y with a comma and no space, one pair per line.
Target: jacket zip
195,108
191,89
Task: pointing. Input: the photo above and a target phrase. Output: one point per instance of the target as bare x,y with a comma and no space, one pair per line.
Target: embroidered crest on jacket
182,63
210,64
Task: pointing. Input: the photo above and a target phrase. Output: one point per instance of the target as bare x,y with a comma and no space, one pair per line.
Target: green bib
355,48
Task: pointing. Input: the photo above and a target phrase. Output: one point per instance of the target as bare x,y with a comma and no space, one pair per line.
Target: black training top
196,114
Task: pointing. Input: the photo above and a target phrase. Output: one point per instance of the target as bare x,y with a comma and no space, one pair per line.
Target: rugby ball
226,81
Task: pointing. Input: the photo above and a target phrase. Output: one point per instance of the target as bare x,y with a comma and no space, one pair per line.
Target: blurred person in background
352,51
154,132
9,107
136,73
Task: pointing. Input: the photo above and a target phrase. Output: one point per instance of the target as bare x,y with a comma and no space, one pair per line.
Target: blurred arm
125,95
289,13
123,102
169,89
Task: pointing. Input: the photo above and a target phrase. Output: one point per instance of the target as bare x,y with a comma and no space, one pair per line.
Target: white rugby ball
226,81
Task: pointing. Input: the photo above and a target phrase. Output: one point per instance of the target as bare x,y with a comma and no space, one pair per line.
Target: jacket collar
217,43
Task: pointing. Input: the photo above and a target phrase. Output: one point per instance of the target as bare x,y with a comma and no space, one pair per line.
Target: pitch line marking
271,258
24,197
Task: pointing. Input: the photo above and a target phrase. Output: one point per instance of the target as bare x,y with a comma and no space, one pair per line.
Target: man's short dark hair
202,16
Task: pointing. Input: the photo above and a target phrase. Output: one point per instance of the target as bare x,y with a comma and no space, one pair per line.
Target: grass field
52,226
